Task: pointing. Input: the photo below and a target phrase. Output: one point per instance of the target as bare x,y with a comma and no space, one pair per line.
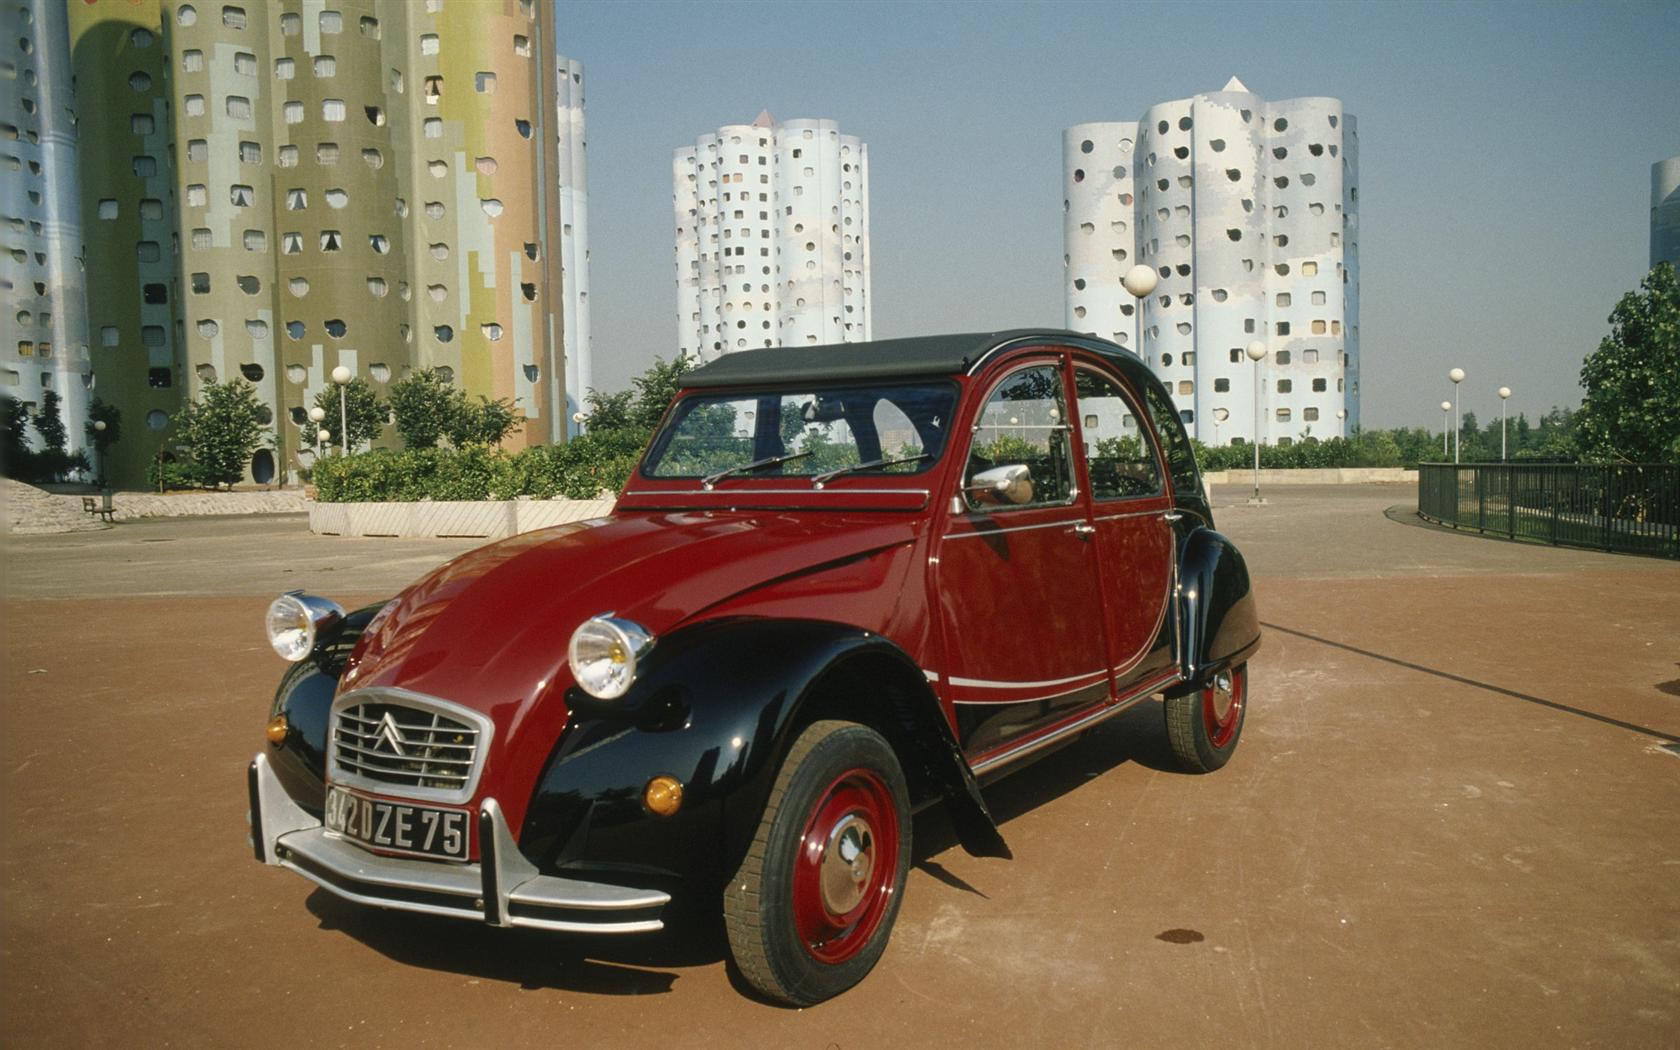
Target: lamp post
1140,280
1457,377
1504,396
316,414
1446,408
1256,352
1220,415
99,449
341,376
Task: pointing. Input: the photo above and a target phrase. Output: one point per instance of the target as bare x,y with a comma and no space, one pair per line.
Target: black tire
791,932
1204,726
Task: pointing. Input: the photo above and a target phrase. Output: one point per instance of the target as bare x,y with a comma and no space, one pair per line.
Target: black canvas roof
931,355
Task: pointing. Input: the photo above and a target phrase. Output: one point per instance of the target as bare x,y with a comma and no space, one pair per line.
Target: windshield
873,429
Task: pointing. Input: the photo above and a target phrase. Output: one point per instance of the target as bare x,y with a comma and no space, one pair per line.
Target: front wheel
811,908
1204,726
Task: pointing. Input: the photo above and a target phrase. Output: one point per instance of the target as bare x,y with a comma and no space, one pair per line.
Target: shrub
222,429
366,413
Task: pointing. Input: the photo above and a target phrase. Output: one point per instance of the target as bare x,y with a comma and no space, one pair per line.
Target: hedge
581,469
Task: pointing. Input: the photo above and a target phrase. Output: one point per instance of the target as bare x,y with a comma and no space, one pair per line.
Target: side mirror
1008,485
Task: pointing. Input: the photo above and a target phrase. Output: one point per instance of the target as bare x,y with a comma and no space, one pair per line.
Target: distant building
282,189
1665,211
1248,211
772,239
43,317
574,234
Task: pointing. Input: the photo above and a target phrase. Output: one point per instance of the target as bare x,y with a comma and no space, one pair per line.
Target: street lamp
99,448
1457,377
1220,415
1446,407
1140,280
316,414
1504,396
341,376
1256,352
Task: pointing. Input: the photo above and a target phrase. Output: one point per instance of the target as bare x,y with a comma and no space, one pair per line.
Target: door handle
1083,529
1171,515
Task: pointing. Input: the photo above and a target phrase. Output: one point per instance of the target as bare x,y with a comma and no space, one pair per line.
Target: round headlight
603,654
295,619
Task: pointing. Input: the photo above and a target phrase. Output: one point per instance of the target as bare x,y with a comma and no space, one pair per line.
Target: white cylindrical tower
574,235
1097,199
772,244
1247,212
1665,211
45,342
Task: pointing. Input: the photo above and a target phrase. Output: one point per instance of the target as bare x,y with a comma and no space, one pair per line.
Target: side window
1025,423
1175,443
1120,462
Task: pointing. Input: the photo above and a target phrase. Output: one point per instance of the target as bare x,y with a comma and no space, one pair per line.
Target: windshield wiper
818,480
712,479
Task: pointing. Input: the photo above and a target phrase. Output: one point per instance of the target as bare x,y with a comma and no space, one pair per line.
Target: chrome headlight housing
295,620
604,653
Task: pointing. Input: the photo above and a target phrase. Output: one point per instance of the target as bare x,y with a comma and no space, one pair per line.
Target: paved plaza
1451,823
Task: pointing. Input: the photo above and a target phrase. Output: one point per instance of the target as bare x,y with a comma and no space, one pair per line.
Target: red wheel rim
1222,705
844,876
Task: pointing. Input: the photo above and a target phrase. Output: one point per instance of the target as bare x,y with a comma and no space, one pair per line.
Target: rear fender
1219,624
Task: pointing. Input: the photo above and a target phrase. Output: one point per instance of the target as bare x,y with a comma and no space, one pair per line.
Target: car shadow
651,963
535,960
1137,734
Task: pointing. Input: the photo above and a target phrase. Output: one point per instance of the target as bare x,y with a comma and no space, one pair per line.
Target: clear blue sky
1504,174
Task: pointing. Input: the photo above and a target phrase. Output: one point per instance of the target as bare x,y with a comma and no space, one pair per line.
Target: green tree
366,412
655,388
609,412
1632,381
49,423
222,429
423,405
15,455
485,423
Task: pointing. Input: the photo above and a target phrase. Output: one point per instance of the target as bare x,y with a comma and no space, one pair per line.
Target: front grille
408,746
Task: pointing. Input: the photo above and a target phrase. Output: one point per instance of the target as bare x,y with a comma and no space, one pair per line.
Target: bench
101,506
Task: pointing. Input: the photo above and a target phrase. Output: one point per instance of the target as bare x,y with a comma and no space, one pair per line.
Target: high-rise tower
1665,211
1248,212
303,185
43,317
574,231
772,237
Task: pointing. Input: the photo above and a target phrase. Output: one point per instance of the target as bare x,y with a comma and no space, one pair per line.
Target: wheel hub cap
1222,696
847,861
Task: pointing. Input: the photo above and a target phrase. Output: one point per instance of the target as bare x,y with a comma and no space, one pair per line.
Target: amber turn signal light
663,795
277,730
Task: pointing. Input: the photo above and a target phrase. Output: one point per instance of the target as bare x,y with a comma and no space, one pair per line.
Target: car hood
489,630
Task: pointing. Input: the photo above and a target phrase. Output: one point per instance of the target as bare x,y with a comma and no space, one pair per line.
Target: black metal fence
1631,507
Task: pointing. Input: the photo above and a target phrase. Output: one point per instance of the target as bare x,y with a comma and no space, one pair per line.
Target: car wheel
809,912
1204,726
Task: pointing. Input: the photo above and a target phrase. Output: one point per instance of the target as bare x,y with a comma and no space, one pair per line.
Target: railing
1633,508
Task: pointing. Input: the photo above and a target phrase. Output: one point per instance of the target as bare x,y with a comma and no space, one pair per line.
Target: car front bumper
503,889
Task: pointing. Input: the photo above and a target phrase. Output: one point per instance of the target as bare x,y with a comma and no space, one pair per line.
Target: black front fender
716,706
305,698
1219,624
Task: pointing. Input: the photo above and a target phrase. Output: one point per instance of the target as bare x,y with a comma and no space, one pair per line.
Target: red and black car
843,584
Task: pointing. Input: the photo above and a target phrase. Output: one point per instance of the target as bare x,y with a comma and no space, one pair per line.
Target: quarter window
1025,422
1181,458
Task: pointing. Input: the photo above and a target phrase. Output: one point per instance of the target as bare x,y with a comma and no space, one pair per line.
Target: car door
1020,609
1131,510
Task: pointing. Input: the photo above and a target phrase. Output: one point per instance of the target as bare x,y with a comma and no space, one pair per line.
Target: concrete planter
1317,476
489,519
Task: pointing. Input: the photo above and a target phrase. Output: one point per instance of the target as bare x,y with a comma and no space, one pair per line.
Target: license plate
398,827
